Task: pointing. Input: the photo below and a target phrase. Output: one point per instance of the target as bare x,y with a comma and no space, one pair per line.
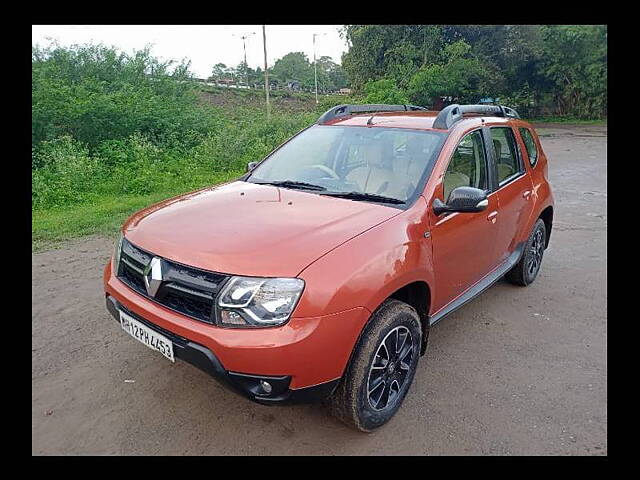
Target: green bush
67,173
248,138
103,125
94,93
384,91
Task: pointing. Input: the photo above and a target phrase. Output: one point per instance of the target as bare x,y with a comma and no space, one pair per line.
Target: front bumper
246,385
306,357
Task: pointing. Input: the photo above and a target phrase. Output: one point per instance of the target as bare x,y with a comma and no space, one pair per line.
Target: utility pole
424,45
315,65
244,46
266,71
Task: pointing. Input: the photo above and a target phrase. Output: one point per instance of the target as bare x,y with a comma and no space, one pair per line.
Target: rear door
514,189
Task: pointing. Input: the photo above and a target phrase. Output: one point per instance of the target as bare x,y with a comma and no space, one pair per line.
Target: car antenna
370,121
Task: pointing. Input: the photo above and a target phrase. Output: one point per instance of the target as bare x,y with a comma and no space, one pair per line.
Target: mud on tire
353,402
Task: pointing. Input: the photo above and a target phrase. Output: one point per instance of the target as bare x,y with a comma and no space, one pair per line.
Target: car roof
418,120
453,117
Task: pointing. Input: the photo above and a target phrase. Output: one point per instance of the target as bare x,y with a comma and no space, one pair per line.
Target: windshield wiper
365,196
292,184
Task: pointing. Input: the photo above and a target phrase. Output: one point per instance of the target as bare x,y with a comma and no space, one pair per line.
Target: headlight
258,302
116,255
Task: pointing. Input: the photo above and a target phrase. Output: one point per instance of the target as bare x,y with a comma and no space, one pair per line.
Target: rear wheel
526,270
381,369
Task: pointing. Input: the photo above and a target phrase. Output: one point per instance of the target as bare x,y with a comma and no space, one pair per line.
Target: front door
463,243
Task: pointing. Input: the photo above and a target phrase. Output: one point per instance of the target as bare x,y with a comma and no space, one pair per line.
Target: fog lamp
266,386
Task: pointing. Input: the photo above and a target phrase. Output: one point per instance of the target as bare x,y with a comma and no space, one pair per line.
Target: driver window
300,161
468,165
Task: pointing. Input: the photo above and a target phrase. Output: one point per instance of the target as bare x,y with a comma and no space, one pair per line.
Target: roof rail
343,110
453,113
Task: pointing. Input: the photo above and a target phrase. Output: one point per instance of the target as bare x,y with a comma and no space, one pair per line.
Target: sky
204,45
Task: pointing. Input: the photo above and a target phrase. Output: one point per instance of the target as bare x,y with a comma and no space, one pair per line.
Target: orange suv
318,274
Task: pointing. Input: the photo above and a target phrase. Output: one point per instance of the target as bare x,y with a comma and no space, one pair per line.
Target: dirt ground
516,371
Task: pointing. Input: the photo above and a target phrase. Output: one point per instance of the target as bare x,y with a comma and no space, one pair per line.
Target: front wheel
381,369
526,270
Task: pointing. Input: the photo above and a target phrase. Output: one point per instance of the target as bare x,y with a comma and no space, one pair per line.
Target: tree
575,60
294,66
331,76
397,51
402,61
219,72
368,44
462,76
256,77
552,69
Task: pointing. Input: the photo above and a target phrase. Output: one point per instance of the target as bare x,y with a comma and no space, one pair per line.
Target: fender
367,269
541,196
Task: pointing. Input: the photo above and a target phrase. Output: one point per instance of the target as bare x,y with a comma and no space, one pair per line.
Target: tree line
538,69
293,69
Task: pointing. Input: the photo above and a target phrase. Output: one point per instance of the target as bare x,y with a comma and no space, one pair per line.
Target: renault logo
153,276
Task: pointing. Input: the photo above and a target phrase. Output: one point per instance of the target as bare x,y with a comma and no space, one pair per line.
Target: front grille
187,290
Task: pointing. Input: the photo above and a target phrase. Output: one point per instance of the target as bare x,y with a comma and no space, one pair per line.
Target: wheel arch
418,295
547,217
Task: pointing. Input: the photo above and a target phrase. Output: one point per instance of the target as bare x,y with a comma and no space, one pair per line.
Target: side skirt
491,278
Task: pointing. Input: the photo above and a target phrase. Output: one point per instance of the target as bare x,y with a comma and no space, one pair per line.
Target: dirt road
516,371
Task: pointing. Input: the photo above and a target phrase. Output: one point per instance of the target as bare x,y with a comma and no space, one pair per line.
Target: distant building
225,82
345,91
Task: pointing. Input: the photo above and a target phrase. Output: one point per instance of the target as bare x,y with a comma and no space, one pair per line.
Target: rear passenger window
468,165
530,143
506,153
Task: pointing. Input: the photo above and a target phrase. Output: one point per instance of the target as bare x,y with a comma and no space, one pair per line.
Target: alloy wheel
535,253
390,368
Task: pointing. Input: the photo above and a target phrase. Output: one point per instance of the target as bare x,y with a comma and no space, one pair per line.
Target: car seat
377,176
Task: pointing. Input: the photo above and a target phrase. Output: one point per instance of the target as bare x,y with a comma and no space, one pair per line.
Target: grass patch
102,214
567,120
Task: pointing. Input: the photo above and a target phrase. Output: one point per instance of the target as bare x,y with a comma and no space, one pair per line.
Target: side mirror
462,199
251,166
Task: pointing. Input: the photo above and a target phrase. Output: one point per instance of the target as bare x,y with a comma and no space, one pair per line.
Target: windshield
381,163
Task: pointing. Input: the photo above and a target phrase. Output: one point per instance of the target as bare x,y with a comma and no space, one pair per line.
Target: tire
356,401
526,270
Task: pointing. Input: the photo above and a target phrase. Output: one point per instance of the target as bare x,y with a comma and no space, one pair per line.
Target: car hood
248,229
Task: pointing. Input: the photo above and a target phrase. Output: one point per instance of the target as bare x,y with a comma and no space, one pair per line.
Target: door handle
526,194
492,216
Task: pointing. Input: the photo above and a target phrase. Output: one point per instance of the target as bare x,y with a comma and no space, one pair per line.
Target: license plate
145,335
